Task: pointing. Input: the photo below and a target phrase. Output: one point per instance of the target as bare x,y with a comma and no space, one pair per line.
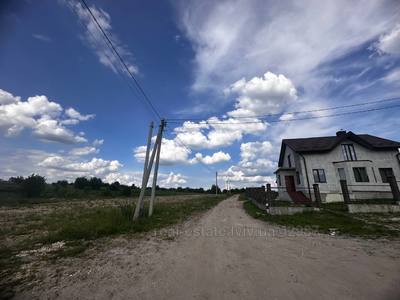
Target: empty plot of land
225,254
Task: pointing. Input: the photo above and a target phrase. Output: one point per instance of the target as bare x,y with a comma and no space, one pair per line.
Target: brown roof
327,143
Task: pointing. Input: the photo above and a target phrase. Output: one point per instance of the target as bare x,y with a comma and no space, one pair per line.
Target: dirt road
226,254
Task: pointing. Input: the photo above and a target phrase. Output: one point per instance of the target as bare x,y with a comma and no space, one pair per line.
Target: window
278,180
348,152
298,177
289,161
342,174
319,175
360,174
385,173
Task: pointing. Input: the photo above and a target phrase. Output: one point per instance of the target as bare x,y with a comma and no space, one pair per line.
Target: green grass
242,197
323,221
373,201
79,227
282,203
89,224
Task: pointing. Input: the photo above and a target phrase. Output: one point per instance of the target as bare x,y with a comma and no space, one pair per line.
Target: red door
290,186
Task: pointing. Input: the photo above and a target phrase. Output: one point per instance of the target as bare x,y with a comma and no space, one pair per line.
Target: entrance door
290,186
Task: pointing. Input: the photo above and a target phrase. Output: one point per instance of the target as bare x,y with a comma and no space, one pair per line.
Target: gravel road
225,254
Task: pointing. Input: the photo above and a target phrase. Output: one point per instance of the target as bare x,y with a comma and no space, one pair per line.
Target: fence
365,191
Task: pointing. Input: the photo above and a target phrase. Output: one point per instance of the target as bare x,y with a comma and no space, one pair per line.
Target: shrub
33,185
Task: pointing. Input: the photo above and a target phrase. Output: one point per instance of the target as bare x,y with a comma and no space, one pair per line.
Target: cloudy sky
67,108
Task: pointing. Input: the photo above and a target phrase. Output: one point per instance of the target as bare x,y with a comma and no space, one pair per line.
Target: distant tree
115,186
81,182
62,183
16,180
125,191
33,185
212,190
95,183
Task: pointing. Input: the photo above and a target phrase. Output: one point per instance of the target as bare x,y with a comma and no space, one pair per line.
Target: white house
363,160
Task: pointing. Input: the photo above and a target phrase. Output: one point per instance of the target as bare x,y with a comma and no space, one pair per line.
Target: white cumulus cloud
173,180
38,113
262,95
215,158
83,151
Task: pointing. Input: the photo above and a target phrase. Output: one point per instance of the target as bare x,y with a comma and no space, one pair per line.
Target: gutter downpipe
308,181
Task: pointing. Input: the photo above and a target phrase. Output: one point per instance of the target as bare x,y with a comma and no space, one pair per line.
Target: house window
278,180
319,175
348,152
342,174
386,173
289,161
298,177
360,174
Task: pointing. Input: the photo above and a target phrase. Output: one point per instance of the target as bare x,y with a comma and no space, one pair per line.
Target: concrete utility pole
216,183
153,189
147,170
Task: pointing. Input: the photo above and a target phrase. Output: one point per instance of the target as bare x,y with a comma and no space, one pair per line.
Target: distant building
363,160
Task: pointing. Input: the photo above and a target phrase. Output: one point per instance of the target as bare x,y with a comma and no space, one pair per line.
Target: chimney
341,132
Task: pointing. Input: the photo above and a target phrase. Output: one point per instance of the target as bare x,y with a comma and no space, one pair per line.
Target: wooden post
269,194
216,183
153,189
345,191
317,194
395,188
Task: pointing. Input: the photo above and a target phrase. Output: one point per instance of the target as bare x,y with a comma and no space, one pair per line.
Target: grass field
43,232
335,219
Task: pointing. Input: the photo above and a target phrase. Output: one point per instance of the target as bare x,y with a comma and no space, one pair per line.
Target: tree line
36,186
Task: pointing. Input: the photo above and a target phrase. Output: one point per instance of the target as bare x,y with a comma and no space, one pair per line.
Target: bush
33,185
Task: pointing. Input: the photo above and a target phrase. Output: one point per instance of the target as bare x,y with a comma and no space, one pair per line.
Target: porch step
299,198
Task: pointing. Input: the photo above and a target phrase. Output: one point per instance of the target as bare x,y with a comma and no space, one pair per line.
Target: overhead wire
299,112
125,66
96,39
264,121
181,143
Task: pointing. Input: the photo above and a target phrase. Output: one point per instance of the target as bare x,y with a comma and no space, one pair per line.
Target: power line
95,39
180,142
110,43
302,111
292,120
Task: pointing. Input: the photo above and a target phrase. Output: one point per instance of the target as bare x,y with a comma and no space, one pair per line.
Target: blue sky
66,109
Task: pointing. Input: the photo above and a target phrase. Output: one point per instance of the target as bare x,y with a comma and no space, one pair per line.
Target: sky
69,109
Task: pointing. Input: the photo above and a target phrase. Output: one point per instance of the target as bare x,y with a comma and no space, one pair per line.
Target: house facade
363,160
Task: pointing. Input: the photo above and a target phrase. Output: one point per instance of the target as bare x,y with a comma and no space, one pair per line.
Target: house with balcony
364,161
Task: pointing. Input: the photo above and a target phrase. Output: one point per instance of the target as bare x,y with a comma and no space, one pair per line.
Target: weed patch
324,221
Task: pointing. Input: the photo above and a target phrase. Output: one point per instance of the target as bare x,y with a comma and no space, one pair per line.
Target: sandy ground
225,254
